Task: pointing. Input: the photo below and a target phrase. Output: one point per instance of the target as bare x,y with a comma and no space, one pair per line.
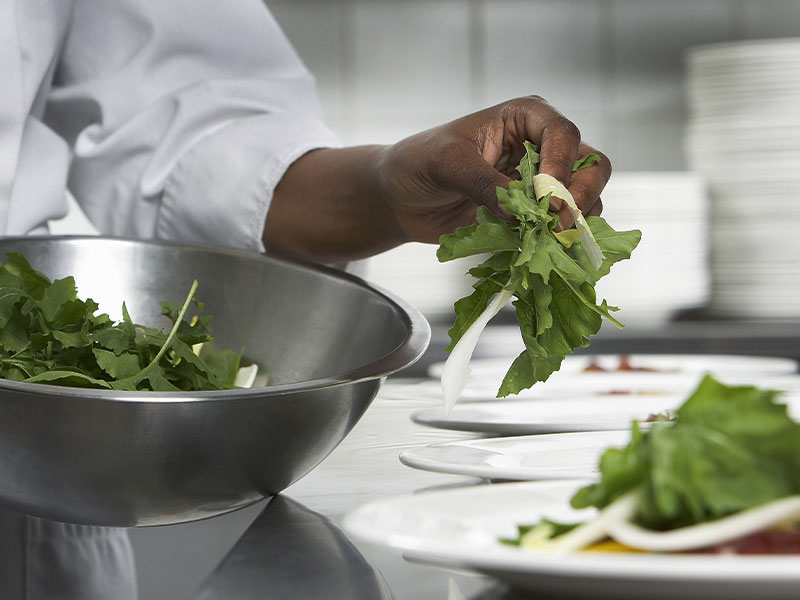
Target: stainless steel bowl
327,341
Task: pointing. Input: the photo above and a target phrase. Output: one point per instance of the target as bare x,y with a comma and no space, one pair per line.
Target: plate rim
411,457
499,559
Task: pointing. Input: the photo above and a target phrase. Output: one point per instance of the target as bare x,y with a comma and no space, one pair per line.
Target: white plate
521,417
483,387
458,528
663,363
675,373
524,458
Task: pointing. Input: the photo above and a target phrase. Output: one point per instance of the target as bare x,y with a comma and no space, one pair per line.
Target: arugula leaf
730,448
24,276
469,307
528,167
478,239
548,528
151,371
585,162
49,335
224,366
551,274
68,378
118,366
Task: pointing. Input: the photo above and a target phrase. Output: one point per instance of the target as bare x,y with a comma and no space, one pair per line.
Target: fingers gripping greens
49,335
551,274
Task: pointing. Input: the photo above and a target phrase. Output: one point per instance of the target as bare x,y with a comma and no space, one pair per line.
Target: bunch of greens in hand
551,274
49,335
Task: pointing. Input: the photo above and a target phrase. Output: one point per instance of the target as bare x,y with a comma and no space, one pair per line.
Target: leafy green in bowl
49,335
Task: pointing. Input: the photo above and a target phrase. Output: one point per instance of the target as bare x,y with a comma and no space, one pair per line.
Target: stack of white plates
668,271
744,138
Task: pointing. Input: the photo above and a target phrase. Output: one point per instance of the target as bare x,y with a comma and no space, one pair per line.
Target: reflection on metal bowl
327,341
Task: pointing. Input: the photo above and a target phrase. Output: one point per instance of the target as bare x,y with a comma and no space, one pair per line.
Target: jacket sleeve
182,117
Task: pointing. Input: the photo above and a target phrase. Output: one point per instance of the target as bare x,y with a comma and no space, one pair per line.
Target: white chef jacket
166,119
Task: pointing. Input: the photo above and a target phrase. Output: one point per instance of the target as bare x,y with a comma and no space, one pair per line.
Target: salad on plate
724,476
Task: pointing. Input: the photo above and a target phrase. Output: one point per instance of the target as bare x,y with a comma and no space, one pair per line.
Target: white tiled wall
554,49
526,40
388,68
773,18
420,52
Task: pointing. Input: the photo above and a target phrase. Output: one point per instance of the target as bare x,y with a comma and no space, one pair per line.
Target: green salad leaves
730,448
727,467
49,335
550,274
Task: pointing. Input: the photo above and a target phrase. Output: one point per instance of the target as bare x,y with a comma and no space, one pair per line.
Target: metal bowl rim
403,355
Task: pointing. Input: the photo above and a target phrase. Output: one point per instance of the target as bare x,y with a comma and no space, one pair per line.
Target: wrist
389,193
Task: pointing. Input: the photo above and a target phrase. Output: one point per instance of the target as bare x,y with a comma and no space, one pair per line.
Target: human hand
434,181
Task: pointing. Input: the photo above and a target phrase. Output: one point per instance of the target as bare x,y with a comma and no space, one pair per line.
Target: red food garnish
769,541
625,365
594,367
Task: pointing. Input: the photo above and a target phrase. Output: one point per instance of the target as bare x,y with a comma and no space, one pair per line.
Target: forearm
330,207
336,205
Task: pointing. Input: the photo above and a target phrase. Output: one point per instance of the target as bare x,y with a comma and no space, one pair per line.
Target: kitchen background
617,68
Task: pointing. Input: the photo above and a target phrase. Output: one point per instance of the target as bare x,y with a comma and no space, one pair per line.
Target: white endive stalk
246,376
707,534
456,369
544,184
595,530
615,522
